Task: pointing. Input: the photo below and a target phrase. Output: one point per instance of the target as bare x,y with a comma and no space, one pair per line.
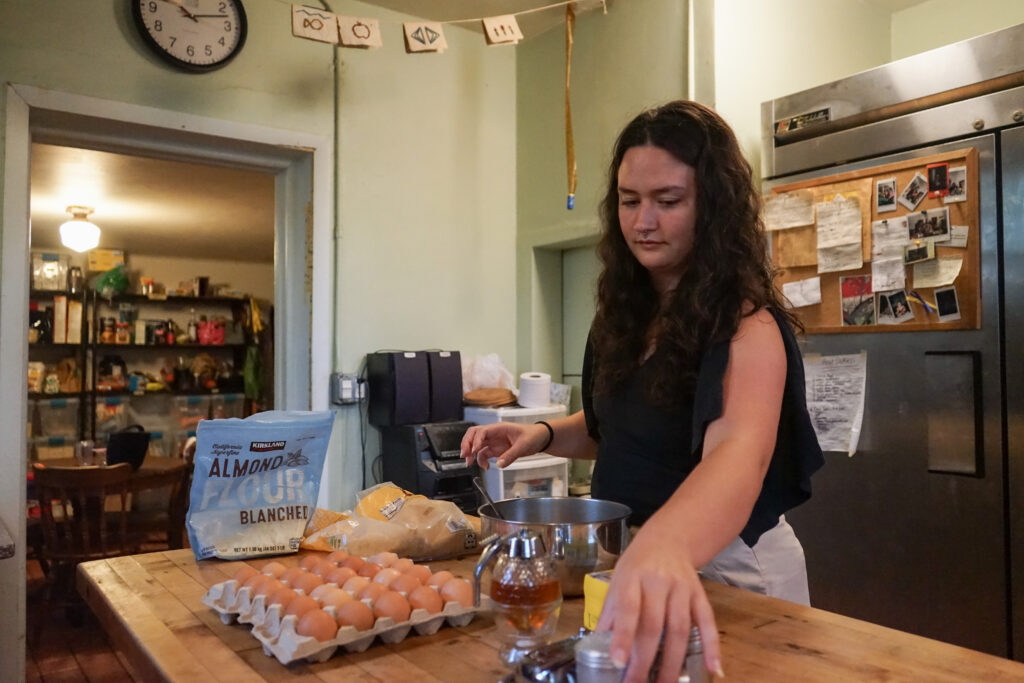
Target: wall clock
192,35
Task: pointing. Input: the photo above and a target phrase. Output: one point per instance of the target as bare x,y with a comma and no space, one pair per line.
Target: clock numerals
211,31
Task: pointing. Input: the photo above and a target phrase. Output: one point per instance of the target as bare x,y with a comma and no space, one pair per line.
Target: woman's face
658,212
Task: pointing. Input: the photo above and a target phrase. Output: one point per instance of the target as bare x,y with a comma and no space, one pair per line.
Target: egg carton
279,638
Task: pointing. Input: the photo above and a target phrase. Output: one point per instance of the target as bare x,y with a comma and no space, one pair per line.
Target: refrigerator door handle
954,408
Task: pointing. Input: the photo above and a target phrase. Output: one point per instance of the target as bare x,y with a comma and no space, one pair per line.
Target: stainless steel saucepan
584,535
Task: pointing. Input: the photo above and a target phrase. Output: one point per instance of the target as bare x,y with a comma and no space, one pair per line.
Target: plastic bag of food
256,482
360,536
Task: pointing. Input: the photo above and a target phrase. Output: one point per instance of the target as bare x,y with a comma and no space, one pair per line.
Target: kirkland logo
264,446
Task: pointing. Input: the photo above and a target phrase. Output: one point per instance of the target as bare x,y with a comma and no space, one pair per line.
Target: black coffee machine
415,399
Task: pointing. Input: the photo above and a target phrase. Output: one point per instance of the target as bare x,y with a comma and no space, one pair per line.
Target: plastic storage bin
177,439
155,412
45,448
227,405
189,410
161,444
532,476
111,415
58,416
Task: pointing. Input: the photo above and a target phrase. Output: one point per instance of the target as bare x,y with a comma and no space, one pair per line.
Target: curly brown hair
728,271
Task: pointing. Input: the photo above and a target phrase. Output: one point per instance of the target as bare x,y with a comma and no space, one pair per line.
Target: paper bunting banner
359,32
424,36
503,30
315,24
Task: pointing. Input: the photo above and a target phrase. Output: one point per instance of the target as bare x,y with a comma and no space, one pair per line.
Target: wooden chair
85,515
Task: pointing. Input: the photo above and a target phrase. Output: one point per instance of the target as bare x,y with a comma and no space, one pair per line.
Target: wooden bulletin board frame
790,246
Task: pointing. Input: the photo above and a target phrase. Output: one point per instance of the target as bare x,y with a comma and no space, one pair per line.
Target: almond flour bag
256,483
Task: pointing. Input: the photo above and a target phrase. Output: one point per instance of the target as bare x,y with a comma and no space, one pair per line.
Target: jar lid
593,651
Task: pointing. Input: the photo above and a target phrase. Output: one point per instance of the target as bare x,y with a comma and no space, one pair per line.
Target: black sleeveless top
645,452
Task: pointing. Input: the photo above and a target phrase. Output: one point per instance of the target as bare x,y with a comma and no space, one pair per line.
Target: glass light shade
79,234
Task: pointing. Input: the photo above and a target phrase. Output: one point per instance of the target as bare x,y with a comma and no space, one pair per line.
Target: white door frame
303,168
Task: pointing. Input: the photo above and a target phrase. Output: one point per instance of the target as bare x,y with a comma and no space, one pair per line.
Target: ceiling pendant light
78,233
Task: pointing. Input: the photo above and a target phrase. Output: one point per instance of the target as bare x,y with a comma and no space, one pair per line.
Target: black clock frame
148,39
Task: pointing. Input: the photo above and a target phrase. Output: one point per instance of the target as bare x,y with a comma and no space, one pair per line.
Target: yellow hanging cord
570,147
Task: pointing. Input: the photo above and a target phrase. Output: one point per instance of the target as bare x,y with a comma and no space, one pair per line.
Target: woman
693,391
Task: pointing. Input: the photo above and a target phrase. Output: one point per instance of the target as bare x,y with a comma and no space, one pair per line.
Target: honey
528,607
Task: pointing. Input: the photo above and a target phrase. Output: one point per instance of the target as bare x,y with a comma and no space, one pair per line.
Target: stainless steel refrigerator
889,536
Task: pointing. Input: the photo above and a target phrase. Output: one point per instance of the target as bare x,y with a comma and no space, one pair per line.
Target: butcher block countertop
150,607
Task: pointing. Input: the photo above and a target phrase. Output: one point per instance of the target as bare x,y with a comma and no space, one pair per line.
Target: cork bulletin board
795,250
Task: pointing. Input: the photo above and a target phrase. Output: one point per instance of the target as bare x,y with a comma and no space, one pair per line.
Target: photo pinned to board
893,308
932,225
947,303
885,195
856,300
914,192
957,185
920,250
938,179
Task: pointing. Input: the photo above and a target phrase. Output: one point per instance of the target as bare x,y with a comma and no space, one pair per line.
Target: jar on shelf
107,331
122,334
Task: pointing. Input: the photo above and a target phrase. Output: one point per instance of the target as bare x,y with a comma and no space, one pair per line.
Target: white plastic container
227,405
189,410
111,415
533,476
153,411
58,416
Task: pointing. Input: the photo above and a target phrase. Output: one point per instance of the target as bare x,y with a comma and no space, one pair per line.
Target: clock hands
179,5
205,16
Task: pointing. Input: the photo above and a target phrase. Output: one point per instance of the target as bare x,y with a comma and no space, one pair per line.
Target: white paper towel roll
534,390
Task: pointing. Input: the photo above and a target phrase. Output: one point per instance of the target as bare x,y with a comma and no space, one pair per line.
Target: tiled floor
65,651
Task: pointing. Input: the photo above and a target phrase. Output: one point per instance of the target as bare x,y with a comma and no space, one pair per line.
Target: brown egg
323,568
356,614
255,581
405,583
384,559
244,573
402,564
439,579
301,604
425,597
420,571
338,556
340,575
386,576
318,624
282,596
372,591
356,584
321,590
353,562
307,582
457,590
288,578
310,561
268,587
369,569
274,569
335,597
391,604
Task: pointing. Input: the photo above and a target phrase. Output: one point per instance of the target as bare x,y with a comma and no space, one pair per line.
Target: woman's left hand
654,590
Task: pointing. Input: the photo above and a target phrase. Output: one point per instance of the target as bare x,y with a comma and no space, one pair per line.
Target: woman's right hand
504,441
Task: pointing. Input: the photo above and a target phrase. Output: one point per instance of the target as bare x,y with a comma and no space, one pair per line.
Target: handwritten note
788,210
937,272
835,399
803,292
838,223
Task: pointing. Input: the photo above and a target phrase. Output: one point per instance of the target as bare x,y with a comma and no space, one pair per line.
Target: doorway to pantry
186,330
302,167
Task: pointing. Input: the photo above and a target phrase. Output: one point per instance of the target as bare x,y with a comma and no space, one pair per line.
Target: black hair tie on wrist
551,435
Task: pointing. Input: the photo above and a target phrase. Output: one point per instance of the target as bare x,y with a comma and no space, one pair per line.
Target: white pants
775,566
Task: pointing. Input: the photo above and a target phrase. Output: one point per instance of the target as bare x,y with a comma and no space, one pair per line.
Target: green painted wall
936,23
623,61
